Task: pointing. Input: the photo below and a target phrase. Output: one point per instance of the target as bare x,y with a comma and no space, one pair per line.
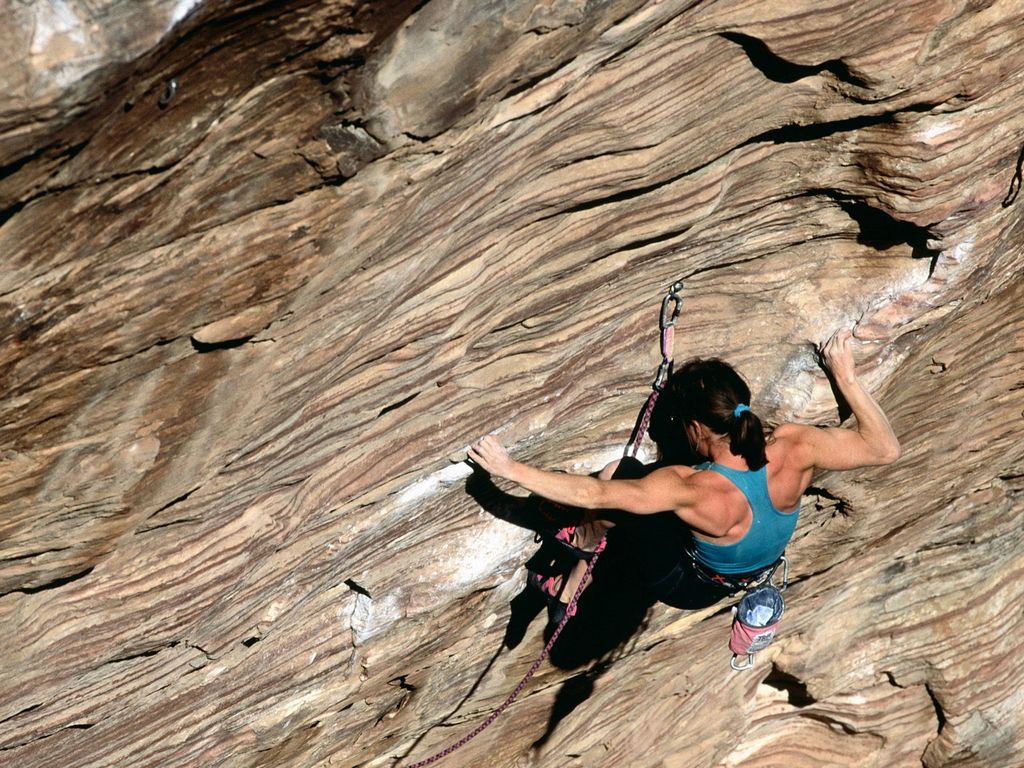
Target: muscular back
789,467
726,513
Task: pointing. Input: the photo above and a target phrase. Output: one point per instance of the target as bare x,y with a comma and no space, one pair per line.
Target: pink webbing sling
671,306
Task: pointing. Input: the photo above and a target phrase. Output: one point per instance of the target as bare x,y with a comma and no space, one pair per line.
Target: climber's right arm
872,443
662,490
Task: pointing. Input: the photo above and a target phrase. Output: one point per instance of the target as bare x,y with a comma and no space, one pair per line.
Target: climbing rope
671,306
569,611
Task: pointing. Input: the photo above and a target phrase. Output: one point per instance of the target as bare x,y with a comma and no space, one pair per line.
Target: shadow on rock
615,605
610,611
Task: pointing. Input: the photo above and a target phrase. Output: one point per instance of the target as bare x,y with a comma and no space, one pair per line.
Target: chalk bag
754,623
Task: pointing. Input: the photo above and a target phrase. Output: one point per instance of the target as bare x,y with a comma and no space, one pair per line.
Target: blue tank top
770,530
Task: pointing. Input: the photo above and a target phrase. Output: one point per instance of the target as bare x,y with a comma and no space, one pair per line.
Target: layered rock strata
268,272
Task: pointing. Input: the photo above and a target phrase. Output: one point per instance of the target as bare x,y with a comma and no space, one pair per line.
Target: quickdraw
671,307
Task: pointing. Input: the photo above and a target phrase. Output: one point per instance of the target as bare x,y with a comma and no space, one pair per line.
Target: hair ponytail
746,439
712,393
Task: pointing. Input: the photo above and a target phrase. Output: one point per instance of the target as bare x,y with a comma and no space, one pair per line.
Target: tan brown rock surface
249,321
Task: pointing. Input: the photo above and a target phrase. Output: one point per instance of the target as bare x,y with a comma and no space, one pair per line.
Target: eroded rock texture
268,269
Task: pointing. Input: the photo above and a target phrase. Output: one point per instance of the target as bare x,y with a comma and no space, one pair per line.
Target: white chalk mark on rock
371,617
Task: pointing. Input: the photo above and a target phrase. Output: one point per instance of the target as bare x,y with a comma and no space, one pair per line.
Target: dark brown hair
708,391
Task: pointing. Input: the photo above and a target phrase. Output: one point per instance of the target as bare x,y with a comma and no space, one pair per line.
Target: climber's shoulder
794,445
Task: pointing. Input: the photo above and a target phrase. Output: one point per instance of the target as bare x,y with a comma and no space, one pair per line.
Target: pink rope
570,609
667,334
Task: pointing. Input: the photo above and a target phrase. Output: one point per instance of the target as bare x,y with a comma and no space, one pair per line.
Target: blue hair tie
739,409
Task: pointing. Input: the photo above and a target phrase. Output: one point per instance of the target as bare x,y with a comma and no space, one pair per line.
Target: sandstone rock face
266,272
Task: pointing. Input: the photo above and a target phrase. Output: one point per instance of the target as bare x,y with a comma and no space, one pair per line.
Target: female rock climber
730,518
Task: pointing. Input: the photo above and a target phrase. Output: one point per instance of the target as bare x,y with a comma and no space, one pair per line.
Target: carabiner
661,377
670,314
739,666
170,91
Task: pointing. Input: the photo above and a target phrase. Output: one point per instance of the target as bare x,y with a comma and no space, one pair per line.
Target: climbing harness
737,582
670,309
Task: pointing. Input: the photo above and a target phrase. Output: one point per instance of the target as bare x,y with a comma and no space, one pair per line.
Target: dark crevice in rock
616,197
69,727
528,83
779,70
402,682
955,544
131,656
654,239
92,181
153,170
602,154
891,678
540,31
13,208
55,584
214,346
1015,182
831,722
20,712
621,52
357,588
881,230
140,351
399,404
28,556
789,134
331,75
209,656
723,265
794,133
174,502
62,154
13,167
889,536
417,138
168,524
541,107
95,177
940,714
795,689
